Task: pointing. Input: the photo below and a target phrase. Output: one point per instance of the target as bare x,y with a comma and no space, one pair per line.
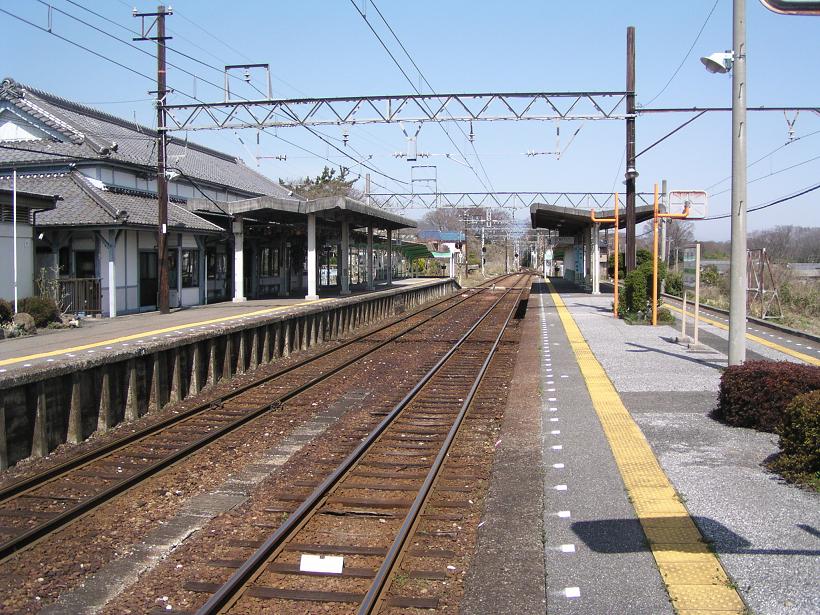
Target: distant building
232,232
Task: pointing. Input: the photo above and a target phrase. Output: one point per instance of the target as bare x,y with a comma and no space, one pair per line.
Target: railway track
373,500
39,505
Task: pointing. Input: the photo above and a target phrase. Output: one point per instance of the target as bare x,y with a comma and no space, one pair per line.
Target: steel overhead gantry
501,200
411,108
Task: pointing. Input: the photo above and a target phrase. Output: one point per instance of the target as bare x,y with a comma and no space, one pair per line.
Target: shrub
756,393
674,283
42,309
710,276
637,294
799,459
6,311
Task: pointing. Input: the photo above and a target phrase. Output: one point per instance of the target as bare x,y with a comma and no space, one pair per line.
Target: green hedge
799,459
42,309
756,393
6,311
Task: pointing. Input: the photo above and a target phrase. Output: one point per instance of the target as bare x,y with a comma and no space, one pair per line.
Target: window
269,262
84,264
217,263
190,268
172,269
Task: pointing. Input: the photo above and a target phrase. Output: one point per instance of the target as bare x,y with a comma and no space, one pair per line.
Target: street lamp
723,62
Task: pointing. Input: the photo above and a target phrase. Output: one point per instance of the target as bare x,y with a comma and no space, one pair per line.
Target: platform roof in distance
570,221
292,210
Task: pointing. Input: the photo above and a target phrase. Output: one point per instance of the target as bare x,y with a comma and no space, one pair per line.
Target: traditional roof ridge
104,116
14,92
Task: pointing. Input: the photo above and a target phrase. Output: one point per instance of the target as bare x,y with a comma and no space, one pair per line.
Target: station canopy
293,210
570,221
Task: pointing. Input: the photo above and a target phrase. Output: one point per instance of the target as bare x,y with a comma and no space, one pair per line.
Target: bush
710,276
674,283
42,309
799,459
756,393
6,311
637,294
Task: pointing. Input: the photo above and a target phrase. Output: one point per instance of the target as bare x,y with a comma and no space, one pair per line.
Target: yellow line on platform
135,336
793,353
693,575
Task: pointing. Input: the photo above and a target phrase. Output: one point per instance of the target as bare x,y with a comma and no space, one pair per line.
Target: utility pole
737,267
631,172
162,137
483,249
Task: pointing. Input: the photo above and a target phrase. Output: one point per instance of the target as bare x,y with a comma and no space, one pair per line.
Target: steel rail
89,504
752,319
229,592
380,582
40,478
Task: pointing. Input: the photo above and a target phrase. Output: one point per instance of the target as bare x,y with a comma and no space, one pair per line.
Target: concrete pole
112,274
344,258
311,258
370,257
389,257
664,222
737,270
238,261
596,260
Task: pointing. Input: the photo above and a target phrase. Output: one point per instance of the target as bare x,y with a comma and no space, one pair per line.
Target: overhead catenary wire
686,57
413,85
183,93
432,89
770,203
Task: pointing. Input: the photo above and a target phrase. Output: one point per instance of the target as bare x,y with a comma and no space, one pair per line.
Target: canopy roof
570,221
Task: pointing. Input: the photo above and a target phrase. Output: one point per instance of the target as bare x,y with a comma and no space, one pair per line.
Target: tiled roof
91,133
84,204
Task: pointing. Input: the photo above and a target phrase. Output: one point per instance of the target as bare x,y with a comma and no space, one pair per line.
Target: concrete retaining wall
43,408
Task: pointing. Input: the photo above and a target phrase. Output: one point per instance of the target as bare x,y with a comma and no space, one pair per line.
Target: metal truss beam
502,200
415,108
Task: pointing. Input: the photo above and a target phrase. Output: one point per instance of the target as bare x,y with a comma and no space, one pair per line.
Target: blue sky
324,48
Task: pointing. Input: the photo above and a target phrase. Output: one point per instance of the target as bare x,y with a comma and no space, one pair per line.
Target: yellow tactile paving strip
693,575
773,345
142,334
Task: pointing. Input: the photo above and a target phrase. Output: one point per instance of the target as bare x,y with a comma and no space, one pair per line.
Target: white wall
25,261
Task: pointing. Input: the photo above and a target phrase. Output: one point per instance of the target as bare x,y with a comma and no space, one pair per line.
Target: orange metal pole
617,254
655,259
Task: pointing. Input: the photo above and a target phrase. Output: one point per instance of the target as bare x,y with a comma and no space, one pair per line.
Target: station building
233,234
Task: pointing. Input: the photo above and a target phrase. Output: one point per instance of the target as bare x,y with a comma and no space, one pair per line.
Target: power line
770,203
783,170
84,48
421,74
686,57
771,153
410,81
375,170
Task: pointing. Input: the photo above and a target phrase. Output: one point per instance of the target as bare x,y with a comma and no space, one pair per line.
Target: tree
441,220
679,234
329,183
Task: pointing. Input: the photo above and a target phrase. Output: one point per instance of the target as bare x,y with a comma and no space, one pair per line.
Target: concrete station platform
106,335
614,492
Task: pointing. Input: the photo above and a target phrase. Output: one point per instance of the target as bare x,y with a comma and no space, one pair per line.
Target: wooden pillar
104,418
74,434
266,353
286,344
227,360
39,439
242,353
132,401
213,372
4,450
176,377
157,381
277,341
197,358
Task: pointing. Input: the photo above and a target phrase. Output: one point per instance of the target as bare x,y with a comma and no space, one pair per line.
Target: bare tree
679,234
441,220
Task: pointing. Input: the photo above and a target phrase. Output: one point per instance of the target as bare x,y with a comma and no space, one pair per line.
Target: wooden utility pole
631,171
162,177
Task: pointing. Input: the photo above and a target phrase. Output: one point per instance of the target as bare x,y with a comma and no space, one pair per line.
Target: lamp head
719,62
